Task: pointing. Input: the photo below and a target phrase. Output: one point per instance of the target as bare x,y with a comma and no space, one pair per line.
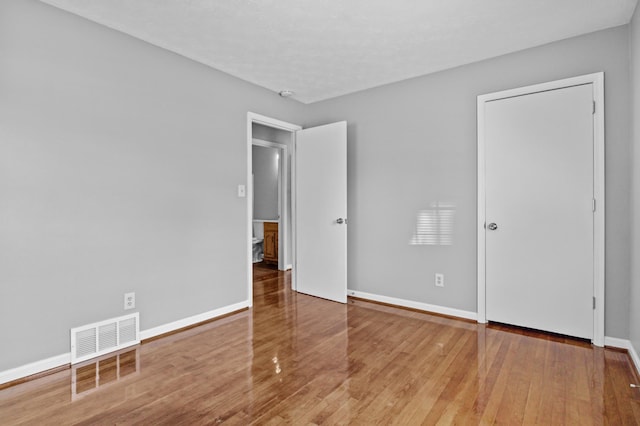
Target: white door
539,159
321,212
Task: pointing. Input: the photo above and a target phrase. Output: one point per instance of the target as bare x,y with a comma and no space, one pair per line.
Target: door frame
276,124
283,217
597,79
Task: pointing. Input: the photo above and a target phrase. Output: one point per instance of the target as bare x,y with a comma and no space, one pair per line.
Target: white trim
268,144
35,368
616,342
272,122
195,319
283,200
443,310
278,124
482,272
634,357
65,359
597,79
294,211
599,215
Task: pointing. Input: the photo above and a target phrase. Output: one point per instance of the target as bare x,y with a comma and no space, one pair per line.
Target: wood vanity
270,244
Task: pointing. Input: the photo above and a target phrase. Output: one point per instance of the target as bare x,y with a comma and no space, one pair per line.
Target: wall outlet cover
129,301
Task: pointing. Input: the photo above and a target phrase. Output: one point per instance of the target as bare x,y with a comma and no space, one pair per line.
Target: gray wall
119,164
265,183
634,332
413,143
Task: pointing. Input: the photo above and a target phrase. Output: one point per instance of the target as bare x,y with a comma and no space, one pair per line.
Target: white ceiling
325,48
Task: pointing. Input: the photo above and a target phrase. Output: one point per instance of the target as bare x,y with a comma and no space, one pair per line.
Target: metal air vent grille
103,337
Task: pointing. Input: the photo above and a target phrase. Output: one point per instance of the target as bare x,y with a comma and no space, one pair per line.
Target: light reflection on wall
434,227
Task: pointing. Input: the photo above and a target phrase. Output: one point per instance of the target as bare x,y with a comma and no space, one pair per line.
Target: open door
321,212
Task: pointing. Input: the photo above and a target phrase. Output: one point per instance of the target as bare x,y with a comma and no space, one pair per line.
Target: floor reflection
297,359
301,343
95,374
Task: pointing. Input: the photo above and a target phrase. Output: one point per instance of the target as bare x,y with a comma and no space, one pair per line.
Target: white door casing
320,212
540,168
276,124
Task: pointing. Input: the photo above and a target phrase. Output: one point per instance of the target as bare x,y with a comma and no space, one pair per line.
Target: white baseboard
64,359
414,305
616,342
34,368
624,344
186,322
634,357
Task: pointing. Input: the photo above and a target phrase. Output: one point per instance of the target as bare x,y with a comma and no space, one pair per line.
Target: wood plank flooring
296,359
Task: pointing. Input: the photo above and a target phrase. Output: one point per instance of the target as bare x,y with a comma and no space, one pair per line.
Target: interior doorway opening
271,203
269,208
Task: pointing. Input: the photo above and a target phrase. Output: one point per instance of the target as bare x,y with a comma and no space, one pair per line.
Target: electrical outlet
439,280
129,301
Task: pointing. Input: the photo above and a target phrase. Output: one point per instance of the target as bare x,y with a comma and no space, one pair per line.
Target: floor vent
92,340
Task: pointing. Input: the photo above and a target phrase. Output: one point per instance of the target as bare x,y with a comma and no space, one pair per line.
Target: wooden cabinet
270,245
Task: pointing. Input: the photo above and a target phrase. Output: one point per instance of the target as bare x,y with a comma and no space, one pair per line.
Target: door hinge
594,107
594,302
593,205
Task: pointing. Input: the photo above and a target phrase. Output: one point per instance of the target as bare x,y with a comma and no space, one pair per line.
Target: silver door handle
340,221
492,226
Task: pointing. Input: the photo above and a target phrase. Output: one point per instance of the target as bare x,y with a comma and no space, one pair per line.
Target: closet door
539,177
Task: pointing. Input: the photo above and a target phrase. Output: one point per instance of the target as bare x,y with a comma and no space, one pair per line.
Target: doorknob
340,221
492,226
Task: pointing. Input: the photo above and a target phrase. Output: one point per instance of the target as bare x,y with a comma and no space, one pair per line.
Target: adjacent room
330,212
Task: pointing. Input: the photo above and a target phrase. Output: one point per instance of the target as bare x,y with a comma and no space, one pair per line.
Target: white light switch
242,191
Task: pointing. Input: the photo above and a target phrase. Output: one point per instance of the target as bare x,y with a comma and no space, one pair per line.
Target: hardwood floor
296,359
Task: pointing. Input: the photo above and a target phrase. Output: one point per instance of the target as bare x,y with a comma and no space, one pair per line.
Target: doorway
541,207
271,202
317,209
279,136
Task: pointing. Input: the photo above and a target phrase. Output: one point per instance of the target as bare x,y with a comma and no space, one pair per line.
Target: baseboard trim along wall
35,368
613,342
186,322
616,342
634,356
65,359
442,310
